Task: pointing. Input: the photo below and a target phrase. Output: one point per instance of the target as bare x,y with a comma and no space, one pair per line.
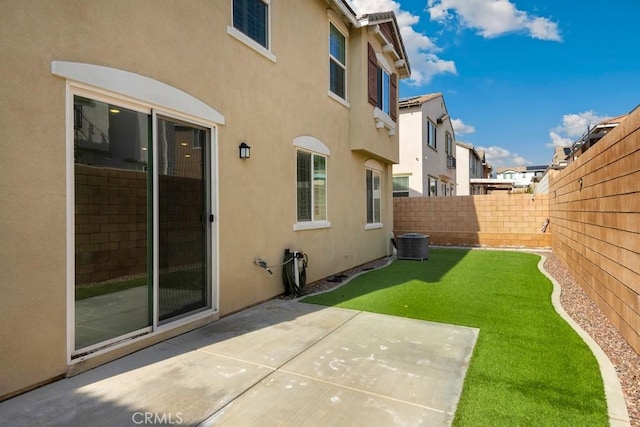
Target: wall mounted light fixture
245,151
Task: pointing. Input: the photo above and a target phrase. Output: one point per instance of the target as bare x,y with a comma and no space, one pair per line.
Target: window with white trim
373,196
383,90
337,62
251,17
311,172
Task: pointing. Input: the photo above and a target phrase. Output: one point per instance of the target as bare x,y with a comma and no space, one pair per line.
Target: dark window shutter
372,76
393,97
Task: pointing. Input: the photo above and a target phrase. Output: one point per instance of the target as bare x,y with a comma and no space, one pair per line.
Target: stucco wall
595,215
497,220
265,104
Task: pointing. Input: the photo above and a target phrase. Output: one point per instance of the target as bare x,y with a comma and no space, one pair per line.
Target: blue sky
520,76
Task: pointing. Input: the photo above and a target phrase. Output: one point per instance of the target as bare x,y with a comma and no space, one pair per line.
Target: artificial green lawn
529,367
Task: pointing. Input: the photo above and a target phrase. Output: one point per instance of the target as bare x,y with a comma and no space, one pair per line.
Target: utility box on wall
413,246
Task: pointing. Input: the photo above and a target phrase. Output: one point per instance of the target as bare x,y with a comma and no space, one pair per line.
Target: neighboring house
487,169
427,149
125,173
521,176
470,179
560,158
594,134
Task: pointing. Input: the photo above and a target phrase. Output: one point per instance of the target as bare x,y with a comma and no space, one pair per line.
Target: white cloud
499,157
559,140
461,128
573,127
421,50
492,18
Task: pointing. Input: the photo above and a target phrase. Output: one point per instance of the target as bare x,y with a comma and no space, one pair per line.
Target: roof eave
343,8
404,69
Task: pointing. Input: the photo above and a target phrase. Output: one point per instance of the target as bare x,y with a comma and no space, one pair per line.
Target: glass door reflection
112,212
183,221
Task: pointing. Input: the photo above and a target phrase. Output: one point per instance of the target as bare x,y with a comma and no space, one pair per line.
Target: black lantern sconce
245,151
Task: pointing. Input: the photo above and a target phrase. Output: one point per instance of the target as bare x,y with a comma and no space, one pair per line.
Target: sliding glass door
142,221
183,218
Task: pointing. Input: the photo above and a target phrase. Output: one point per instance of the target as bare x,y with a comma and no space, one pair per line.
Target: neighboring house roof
416,101
522,169
470,147
493,183
614,120
511,169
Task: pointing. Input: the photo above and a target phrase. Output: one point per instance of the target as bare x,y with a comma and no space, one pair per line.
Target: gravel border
589,317
575,302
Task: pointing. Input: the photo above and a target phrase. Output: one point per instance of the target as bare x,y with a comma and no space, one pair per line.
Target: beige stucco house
127,214
427,166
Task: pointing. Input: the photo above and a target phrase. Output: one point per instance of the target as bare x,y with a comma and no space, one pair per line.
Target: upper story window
449,142
251,17
337,62
382,85
251,25
431,134
383,90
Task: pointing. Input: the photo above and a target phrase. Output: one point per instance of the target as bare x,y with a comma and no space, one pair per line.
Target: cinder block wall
495,220
595,217
111,223
110,239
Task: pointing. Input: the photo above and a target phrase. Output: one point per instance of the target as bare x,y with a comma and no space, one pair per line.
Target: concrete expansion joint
616,404
370,393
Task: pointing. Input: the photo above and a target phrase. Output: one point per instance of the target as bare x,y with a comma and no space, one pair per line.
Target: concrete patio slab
280,363
285,399
270,334
411,360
